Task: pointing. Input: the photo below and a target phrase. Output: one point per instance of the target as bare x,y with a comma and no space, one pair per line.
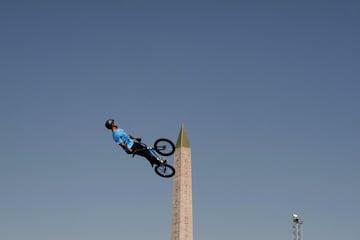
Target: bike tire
165,170
164,147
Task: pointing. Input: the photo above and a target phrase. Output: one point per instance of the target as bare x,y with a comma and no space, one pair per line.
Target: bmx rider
128,142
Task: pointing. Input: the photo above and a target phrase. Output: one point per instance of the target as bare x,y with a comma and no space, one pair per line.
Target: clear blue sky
268,92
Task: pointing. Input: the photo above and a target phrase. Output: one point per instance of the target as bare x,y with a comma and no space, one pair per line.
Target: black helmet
109,123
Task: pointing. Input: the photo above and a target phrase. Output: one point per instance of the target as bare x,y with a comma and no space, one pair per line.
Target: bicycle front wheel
164,147
165,170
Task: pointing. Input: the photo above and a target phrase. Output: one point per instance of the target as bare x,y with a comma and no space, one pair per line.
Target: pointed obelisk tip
182,140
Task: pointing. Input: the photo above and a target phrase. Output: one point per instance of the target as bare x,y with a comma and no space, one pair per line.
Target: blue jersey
119,135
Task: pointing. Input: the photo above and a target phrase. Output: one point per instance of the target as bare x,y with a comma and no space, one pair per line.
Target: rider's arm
123,145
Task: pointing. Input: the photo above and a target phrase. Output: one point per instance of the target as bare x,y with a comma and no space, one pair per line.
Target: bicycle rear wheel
164,147
165,170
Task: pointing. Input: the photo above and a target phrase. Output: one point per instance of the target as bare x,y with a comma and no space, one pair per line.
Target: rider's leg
140,150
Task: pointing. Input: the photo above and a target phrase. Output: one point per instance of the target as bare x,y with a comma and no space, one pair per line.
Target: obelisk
182,219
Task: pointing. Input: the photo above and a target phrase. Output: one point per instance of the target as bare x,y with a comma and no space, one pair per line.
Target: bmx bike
163,147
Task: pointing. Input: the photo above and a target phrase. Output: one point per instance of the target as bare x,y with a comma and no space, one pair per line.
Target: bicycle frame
153,152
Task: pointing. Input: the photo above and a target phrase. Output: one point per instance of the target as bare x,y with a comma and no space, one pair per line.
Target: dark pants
140,150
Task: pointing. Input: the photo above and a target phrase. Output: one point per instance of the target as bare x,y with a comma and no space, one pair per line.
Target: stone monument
182,219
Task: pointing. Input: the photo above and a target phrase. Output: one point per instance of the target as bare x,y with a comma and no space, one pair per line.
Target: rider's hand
129,150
